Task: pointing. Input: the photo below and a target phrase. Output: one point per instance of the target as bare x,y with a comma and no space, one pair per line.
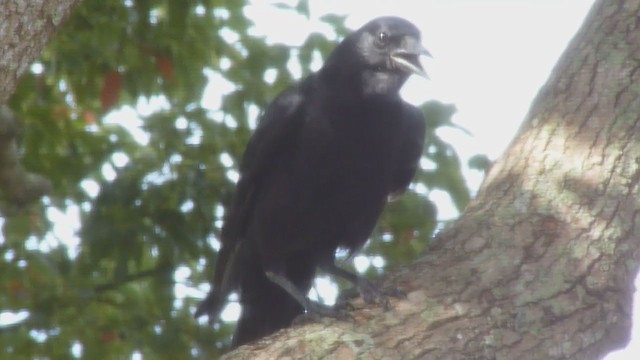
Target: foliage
159,206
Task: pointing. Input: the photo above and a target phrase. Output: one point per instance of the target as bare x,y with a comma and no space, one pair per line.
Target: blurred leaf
480,162
110,90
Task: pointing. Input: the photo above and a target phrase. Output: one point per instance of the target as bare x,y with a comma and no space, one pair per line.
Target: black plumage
316,174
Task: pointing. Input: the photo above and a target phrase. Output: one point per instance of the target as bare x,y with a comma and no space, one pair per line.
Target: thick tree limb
26,27
541,264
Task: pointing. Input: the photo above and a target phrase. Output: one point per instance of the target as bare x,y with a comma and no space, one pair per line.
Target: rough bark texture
541,264
26,26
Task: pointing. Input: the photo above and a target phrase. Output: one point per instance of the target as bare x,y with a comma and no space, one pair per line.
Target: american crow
315,176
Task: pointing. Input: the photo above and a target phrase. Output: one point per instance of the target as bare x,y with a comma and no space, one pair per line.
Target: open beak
407,57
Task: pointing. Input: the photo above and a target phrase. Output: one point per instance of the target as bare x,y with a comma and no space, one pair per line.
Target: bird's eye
383,38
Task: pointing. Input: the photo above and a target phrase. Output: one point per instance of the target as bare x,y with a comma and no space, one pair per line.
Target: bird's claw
315,312
339,311
372,294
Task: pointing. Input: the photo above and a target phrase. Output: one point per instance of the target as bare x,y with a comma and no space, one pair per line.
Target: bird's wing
409,151
271,142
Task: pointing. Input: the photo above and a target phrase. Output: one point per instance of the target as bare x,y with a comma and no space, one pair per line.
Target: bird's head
383,54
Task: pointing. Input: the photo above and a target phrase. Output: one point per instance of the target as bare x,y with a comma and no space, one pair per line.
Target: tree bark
541,264
26,26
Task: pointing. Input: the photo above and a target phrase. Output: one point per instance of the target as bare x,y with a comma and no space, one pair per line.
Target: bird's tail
211,305
266,307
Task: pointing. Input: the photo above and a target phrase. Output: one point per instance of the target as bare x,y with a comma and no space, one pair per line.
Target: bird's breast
346,161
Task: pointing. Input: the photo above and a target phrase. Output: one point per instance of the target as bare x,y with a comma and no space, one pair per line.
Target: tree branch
160,269
17,186
26,28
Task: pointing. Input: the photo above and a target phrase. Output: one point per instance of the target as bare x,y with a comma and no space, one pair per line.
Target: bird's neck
361,83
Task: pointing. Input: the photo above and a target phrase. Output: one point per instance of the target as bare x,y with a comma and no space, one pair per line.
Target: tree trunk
541,264
26,27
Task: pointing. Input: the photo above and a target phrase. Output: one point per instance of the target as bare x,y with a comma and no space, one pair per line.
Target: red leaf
109,336
111,89
16,288
90,117
61,113
165,66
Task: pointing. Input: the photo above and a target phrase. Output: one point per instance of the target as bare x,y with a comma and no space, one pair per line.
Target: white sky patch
120,159
215,89
275,24
187,206
230,122
361,263
76,349
327,289
147,106
253,112
442,197
39,336
219,211
108,172
8,318
225,63
128,118
270,75
181,274
66,225
195,138
633,349
181,123
183,290
214,242
293,64
378,262
37,68
163,175
226,160
9,255
231,312
427,164
233,175
175,159
228,35
91,187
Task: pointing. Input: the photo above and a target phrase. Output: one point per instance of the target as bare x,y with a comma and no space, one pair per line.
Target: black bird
315,176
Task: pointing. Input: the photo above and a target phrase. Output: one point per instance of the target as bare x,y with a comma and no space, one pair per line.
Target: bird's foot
339,311
316,312
372,294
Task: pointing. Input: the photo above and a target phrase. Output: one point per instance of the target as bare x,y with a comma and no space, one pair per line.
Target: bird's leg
366,289
370,293
312,307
